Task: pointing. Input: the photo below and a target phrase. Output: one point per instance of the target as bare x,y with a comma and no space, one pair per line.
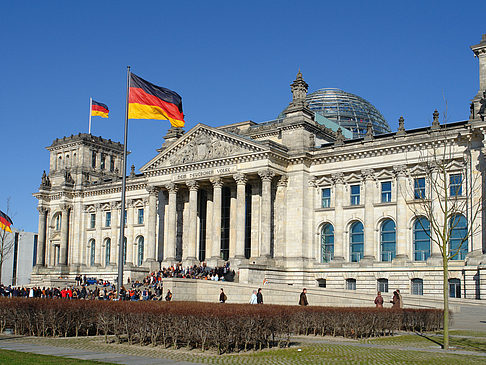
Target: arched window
458,237
92,252
421,239
327,242
140,250
356,239
388,240
350,284
107,251
58,222
417,287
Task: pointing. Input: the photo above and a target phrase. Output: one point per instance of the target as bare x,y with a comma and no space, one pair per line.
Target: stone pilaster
266,211
151,224
217,202
241,181
369,219
209,225
401,214
280,219
255,220
170,243
338,179
115,236
41,240
190,254
129,226
99,236
63,253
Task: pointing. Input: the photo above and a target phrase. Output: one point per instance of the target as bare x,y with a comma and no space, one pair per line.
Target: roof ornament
435,123
339,137
401,126
132,171
369,132
482,108
299,90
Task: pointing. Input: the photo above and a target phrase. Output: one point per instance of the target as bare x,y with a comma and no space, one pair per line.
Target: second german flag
148,101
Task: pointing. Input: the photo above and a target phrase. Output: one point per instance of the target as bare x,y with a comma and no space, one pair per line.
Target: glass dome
348,110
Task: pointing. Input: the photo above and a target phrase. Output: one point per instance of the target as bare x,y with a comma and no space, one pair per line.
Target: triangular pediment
201,144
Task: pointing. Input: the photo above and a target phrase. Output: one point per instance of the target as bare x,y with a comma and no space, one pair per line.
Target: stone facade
287,201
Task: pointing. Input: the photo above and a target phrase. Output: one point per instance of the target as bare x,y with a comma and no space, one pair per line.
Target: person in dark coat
222,296
259,296
379,300
303,297
168,296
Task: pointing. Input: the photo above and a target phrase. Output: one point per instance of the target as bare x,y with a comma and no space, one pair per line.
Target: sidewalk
81,354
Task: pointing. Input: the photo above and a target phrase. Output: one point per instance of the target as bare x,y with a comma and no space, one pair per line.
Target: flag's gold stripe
139,111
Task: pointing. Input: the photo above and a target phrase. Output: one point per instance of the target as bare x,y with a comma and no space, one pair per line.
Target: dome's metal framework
348,110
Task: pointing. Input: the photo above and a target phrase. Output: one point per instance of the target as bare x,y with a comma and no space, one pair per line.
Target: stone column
433,194
115,216
99,236
217,202
241,181
170,243
64,234
401,213
338,179
255,220
209,224
190,253
151,224
369,219
129,226
41,240
266,211
280,220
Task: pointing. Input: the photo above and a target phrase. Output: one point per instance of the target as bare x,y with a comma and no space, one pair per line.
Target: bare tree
7,240
446,190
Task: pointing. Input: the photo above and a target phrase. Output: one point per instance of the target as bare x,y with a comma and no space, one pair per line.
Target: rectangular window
93,159
140,216
326,198
386,193
417,287
103,158
350,284
419,188
455,185
355,194
108,219
125,217
92,220
112,163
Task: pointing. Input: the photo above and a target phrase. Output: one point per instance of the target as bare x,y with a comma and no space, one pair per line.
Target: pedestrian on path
379,300
222,296
303,298
259,296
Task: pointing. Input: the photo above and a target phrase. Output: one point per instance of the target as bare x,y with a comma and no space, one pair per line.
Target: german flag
5,222
99,109
148,101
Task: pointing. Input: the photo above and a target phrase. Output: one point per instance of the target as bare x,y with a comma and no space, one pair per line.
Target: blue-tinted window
388,240
108,219
92,220
107,251
382,285
140,251
454,288
357,241
458,237
350,284
455,185
92,254
421,239
386,192
327,243
326,197
417,287
355,194
140,216
419,188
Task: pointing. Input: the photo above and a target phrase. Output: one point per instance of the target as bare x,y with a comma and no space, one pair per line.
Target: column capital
240,178
115,205
97,207
400,170
130,202
216,181
193,185
172,188
64,207
368,174
42,210
266,175
152,190
312,182
338,178
282,182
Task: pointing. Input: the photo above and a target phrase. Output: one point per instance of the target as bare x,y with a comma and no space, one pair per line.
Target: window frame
419,191
386,195
350,284
327,247
453,191
325,200
108,219
92,220
140,215
382,285
355,197
417,286
393,253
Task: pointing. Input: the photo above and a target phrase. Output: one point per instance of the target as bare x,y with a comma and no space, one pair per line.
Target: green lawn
23,358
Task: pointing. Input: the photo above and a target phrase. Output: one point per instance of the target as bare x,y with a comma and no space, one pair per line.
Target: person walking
259,296
168,296
303,298
379,300
396,300
222,296
253,299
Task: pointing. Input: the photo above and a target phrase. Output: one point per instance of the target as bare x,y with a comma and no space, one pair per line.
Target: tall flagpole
90,107
121,247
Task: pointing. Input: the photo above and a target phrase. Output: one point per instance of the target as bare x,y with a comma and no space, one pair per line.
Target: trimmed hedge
225,327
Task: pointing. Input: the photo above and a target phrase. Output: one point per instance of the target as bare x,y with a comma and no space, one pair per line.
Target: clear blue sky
230,61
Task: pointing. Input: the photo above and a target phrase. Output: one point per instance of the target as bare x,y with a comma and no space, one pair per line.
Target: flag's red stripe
5,222
99,108
139,96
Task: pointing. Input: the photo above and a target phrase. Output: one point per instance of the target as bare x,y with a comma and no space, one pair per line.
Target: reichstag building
325,195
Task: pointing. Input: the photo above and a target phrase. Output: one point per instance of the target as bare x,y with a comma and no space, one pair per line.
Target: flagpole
121,247
90,107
